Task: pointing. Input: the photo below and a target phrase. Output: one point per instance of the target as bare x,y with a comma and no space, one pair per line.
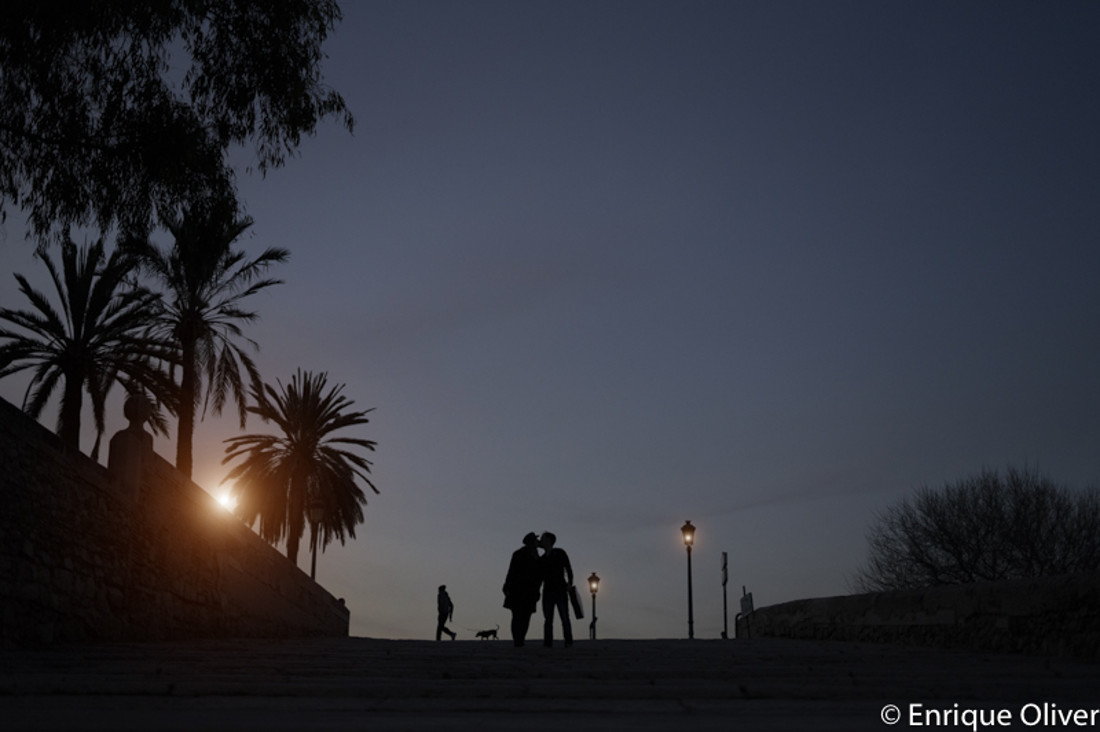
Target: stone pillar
130,446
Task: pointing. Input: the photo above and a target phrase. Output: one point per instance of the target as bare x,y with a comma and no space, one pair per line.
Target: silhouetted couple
527,572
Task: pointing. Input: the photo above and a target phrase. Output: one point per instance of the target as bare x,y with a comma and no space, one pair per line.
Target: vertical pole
313,568
691,609
725,605
593,626
725,615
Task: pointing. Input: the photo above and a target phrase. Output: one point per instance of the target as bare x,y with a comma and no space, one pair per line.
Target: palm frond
99,336
204,280
277,476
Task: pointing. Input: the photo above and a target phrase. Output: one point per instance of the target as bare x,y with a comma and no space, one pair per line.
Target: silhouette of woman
521,586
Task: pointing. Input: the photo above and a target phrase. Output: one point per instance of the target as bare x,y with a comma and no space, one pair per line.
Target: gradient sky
604,267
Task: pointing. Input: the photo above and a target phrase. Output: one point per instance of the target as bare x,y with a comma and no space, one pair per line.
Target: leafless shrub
983,527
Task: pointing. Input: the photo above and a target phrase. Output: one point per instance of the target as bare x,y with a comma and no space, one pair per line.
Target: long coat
521,585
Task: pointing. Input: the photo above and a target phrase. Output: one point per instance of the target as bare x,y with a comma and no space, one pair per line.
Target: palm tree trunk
188,397
296,517
68,419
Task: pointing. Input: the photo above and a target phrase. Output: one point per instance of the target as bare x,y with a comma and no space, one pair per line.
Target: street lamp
316,514
689,539
594,586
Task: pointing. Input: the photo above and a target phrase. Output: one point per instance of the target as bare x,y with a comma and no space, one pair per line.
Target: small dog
487,634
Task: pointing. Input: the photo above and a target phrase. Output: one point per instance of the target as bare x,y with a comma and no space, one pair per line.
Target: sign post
725,605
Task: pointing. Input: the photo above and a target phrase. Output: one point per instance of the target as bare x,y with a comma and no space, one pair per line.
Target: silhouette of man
557,576
446,612
521,586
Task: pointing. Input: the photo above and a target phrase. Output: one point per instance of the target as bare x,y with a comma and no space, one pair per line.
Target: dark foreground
365,684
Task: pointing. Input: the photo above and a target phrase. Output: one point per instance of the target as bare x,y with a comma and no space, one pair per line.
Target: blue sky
604,267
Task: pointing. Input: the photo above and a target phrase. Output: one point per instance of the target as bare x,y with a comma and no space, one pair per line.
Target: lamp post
316,514
594,586
689,539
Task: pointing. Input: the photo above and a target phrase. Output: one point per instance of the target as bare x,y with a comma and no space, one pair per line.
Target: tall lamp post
594,586
689,538
316,515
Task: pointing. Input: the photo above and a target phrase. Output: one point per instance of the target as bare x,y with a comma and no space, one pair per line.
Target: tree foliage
117,112
99,335
206,284
282,474
985,527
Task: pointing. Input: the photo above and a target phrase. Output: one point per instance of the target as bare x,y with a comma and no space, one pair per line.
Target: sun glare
227,500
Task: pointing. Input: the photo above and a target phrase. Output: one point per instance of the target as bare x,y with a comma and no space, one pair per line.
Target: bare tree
983,527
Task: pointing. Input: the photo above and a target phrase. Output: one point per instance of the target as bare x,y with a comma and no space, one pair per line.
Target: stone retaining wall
134,553
1047,615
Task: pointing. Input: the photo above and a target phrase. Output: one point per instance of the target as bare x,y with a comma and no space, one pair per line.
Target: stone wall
135,552
1047,615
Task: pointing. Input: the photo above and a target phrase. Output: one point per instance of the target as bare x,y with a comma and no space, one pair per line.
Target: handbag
575,601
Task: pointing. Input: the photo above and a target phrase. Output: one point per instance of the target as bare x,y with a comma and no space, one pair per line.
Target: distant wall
92,554
1048,615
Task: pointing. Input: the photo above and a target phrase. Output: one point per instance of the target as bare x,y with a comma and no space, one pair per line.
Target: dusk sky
602,267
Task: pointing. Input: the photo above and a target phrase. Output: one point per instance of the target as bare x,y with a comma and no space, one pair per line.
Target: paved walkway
361,684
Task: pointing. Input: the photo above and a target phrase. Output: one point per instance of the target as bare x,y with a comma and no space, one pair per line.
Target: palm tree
99,336
281,475
205,281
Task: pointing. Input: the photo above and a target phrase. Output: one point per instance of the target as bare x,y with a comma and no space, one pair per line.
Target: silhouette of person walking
521,586
446,612
557,576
